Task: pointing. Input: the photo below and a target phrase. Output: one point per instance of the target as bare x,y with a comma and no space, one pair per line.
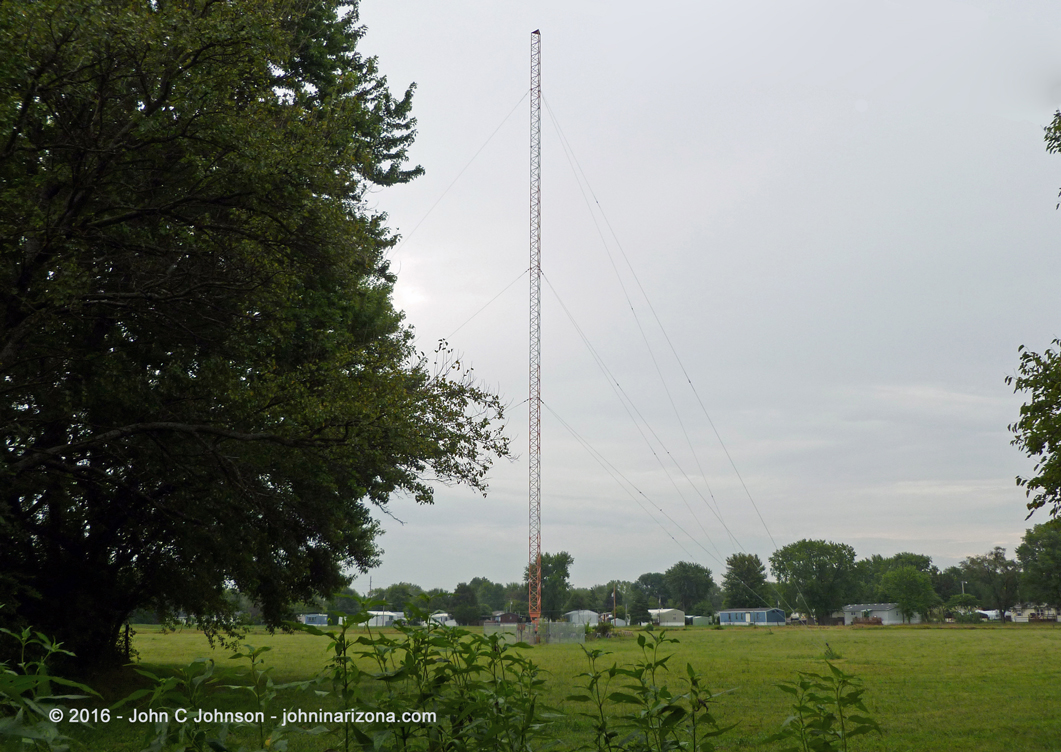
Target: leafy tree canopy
516,597
947,582
465,605
996,578
817,575
637,608
911,588
654,586
962,602
347,600
744,583
204,382
605,602
491,594
872,570
688,583
1040,560
556,581
438,599
1038,430
399,595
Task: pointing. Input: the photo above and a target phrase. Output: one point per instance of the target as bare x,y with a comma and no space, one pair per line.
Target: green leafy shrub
601,629
483,693
27,697
189,690
660,721
822,718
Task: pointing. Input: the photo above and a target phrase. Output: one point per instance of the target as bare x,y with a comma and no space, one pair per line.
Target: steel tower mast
534,568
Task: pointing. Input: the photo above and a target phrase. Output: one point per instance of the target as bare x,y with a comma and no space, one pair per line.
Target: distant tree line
815,578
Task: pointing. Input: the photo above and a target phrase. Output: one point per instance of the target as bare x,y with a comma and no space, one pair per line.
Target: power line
416,227
621,479
631,410
573,162
659,323
487,304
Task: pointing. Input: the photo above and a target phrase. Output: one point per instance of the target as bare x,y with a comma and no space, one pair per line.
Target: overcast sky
843,215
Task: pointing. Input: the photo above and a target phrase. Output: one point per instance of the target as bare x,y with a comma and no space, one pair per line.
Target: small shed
701,621
746,617
582,616
667,617
888,613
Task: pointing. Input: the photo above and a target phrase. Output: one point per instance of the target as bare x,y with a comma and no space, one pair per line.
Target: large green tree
464,605
1040,560
491,594
996,578
911,588
204,382
654,586
688,583
872,570
556,582
744,583
816,575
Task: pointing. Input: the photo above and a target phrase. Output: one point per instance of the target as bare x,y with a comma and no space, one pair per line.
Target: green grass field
931,688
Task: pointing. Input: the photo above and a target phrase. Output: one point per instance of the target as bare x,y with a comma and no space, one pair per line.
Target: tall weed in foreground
262,688
482,693
345,677
27,700
598,683
190,691
824,712
660,720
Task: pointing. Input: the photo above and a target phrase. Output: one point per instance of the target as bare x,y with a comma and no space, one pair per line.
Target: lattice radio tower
534,568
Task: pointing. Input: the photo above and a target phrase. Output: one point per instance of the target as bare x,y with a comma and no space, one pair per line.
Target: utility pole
534,566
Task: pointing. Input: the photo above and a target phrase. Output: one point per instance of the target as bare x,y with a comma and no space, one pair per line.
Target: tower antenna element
534,566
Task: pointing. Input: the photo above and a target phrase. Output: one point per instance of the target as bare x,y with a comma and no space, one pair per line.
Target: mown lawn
931,688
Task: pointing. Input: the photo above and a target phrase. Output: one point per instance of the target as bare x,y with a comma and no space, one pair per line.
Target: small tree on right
1040,559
